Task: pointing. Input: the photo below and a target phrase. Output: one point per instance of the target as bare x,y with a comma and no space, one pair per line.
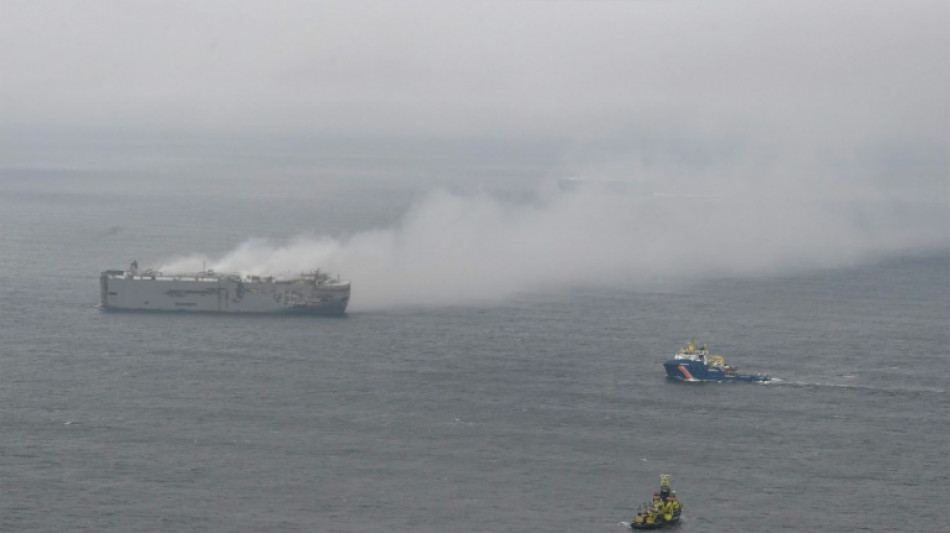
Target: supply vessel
209,291
697,364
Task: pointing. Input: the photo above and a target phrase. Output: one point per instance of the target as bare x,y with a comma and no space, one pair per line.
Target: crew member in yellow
675,500
668,510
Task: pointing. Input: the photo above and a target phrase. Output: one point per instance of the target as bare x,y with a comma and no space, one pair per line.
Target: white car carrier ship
209,291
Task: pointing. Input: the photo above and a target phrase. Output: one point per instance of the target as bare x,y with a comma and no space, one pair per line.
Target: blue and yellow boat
697,364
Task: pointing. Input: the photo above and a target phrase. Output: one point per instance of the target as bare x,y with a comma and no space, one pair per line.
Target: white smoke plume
454,249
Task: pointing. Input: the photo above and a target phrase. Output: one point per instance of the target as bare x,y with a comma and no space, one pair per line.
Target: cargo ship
209,291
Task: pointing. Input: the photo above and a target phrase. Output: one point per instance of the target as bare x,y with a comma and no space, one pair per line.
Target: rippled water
549,411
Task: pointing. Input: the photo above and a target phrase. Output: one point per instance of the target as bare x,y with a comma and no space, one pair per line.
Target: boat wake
857,386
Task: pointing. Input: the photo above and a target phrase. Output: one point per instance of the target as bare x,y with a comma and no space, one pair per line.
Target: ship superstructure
149,290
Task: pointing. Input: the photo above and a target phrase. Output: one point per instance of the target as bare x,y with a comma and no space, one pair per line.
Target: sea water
544,411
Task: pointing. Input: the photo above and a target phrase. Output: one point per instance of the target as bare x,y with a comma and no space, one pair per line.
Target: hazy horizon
761,137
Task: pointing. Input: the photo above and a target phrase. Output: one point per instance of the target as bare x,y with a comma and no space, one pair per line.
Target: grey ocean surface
547,412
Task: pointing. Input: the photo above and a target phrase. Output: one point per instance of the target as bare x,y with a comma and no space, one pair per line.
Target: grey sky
844,73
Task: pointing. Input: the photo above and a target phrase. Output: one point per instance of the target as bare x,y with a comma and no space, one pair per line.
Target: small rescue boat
663,511
697,364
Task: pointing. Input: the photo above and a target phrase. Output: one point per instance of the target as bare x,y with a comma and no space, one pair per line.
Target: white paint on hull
209,292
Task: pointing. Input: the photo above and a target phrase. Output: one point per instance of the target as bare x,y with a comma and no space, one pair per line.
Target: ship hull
697,371
656,525
220,295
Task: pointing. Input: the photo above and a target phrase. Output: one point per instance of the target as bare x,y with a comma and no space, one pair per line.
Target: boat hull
657,525
221,295
698,371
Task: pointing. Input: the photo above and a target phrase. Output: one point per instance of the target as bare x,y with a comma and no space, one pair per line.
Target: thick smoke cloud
454,249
